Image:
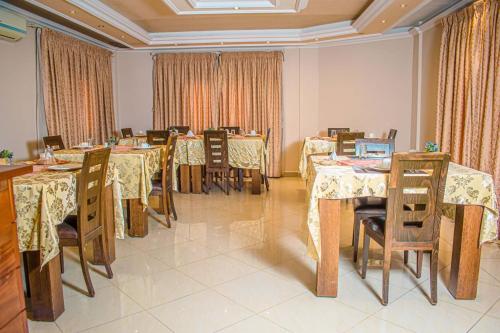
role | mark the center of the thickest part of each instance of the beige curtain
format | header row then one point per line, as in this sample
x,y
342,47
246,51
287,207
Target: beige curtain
x,y
203,90
77,88
185,90
468,120
251,97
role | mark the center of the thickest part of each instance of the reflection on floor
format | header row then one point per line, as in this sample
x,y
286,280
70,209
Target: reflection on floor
x,y
238,263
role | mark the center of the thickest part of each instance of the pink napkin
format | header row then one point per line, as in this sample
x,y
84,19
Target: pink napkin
x,y
361,163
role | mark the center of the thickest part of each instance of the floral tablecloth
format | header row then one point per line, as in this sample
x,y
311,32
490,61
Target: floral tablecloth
x,y
43,199
130,141
314,145
135,168
327,180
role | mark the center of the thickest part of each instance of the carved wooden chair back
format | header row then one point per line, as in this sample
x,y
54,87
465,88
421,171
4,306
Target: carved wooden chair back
x,y
157,137
375,146
180,129
392,133
346,142
336,130
54,141
127,132
216,151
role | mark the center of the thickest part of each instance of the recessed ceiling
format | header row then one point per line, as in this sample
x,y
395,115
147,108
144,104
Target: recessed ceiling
x,y
207,23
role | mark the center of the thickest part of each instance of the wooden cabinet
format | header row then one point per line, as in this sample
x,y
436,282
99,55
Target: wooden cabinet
x,y
13,309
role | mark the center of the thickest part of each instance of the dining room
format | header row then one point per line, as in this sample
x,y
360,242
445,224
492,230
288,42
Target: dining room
x,y
249,165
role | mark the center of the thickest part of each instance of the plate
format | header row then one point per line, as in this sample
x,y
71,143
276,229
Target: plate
x,y
65,167
143,148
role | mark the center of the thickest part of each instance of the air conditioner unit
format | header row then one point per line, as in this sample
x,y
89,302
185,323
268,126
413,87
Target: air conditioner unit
x,y
12,27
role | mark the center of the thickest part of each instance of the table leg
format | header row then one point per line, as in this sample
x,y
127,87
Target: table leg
x,y
185,178
327,269
256,181
46,302
138,218
466,254
94,252
196,178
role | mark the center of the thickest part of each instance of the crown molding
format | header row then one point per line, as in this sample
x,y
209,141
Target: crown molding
x,y
370,13
242,8
432,22
36,20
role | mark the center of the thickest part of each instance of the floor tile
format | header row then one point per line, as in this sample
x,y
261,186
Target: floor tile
x,y
487,324
375,325
259,291
254,324
495,310
308,313
135,266
43,327
413,311
141,322
182,254
203,312
155,239
216,270
82,312
160,288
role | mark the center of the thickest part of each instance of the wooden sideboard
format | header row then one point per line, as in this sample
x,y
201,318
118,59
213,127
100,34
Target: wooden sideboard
x,y
13,309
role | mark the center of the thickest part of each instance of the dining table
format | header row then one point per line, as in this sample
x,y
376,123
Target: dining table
x,y
246,152
43,199
315,145
136,168
469,200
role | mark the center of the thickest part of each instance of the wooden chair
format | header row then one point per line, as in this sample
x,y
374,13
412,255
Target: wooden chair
x,y
127,133
54,141
163,187
157,137
336,130
87,225
346,142
392,134
375,146
417,180
265,180
236,129
216,159
180,129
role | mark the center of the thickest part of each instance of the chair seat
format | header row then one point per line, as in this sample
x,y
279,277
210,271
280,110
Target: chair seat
x,y
68,229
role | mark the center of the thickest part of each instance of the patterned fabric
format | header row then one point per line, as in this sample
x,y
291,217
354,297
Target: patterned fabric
x,y
43,199
135,168
130,141
314,145
327,180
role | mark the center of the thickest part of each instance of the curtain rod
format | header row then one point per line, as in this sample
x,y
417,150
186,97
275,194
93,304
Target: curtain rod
x,y
154,53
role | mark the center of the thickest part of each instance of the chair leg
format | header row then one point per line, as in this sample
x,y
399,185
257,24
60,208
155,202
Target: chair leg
x,y
434,276
240,179
104,246
172,205
85,270
366,249
355,236
420,257
226,175
61,258
385,282
405,257
266,181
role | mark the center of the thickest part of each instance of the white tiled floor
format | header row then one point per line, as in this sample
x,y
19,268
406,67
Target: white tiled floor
x,y
238,263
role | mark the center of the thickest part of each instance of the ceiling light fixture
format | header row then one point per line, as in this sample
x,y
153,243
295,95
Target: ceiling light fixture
x,y
383,21
72,12
236,8
268,42
403,5
100,26
123,36
316,39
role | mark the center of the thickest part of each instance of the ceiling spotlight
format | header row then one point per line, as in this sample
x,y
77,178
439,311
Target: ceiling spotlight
x,y
100,26
123,36
72,12
403,5
236,8
383,21
268,42
221,43
316,39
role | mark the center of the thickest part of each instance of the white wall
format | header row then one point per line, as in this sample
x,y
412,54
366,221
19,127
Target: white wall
x,y
18,125
367,87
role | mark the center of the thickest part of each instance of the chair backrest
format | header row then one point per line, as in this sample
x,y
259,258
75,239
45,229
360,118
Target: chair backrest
x,y
180,129
346,142
236,129
127,133
91,186
216,151
417,181
54,141
168,162
375,146
157,137
392,133
335,130
268,135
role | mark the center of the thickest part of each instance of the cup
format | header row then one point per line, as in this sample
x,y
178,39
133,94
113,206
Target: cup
x,y
253,132
144,145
